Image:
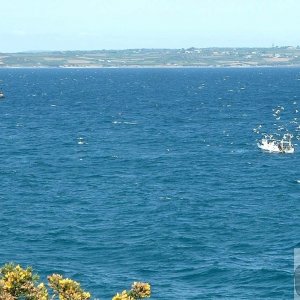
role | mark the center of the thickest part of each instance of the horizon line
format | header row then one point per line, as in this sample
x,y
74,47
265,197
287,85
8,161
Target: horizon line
x,y
153,48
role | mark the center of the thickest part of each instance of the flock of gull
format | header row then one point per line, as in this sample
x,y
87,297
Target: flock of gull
x,y
281,126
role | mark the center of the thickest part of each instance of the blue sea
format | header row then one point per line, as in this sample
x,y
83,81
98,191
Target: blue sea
x,y
110,176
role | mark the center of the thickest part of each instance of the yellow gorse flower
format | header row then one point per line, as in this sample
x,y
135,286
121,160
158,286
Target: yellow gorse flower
x,y
138,290
141,290
67,289
123,296
17,283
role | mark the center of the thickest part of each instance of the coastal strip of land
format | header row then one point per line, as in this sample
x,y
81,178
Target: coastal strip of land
x,y
190,57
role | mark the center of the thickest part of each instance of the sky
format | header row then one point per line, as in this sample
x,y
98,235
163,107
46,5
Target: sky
x,y
36,25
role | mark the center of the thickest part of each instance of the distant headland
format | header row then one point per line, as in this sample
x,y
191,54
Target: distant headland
x,y
189,57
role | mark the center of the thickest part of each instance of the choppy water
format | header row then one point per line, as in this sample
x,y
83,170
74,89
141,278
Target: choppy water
x,y
116,175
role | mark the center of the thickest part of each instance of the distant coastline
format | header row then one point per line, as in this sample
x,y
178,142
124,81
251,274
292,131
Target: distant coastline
x,y
152,67
156,58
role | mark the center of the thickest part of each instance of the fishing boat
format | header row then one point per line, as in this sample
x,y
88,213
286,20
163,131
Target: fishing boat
x,y
277,146
1,95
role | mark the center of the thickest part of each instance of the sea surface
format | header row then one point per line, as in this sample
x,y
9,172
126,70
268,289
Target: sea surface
x,y
110,176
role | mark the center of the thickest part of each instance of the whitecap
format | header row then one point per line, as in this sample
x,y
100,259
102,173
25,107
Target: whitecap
x,y
130,123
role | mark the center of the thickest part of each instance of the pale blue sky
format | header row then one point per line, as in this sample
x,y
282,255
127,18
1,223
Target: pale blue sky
x,y
120,24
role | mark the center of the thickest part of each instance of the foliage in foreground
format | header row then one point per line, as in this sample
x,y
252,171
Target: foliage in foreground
x,y
17,283
138,290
